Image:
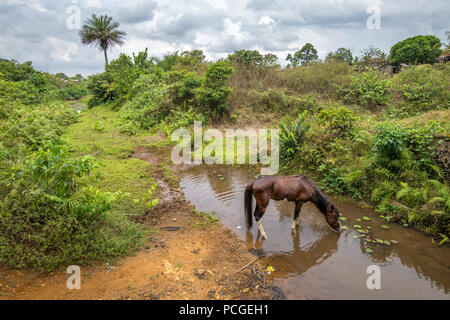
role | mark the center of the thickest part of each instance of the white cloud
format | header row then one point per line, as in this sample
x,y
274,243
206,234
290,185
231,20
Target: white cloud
x,y
265,20
36,29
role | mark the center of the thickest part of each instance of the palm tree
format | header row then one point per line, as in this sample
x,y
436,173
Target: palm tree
x,y
102,32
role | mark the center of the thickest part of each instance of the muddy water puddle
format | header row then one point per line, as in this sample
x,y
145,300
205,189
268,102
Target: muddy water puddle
x,y
316,263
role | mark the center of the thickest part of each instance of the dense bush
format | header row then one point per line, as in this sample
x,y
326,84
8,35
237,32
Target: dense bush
x,y
368,90
423,88
48,215
282,101
318,77
291,136
213,93
72,92
340,120
48,218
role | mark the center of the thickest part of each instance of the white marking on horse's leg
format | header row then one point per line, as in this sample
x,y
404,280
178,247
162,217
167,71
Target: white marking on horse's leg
x,y
261,229
294,224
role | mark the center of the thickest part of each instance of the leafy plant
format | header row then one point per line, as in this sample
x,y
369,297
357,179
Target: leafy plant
x,y
291,136
340,120
149,199
214,91
369,90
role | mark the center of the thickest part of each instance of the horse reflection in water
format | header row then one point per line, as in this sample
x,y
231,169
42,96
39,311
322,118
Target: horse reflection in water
x,y
298,260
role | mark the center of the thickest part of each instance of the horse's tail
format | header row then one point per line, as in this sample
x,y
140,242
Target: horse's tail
x,y
248,205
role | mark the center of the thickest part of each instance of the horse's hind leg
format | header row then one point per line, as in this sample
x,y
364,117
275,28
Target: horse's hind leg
x,y
261,205
298,207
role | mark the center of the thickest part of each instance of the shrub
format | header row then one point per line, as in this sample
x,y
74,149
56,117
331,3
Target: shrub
x,y
369,90
48,218
280,101
291,136
318,77
72,92
340,120
423,88
213,93
148,106
389,141
340,55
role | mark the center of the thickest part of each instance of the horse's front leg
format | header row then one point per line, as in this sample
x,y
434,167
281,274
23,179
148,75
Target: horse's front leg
x,y
298,207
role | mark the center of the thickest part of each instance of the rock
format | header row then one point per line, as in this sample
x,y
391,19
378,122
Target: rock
x,y
245,290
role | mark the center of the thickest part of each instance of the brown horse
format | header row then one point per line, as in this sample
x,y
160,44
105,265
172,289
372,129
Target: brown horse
x,y
298,189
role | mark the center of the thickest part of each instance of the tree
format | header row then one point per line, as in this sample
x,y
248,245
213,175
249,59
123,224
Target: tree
x,y
372,53
102,32
245,58
304,56
62,75
416,50
340,55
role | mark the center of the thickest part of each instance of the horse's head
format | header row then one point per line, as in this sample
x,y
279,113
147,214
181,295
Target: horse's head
x,y
332,217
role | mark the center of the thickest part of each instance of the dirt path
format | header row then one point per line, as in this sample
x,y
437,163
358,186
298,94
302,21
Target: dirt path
x,y
198,261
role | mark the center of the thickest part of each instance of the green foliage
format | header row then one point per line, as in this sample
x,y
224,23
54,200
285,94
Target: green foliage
x,y
147,108
423,88
318,77
340,120
245,59
283,102
414,144
340,55
72,92
99,126
183,88
192,60
181,119
389,141
149,199
169,61
416,50
333,178
291,136
48,217
213,93
15,72
306,55
116,83
33,127
371,57
369,90
430,205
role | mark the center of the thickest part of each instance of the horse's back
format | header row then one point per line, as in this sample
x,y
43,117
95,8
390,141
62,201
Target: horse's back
x,y
291,188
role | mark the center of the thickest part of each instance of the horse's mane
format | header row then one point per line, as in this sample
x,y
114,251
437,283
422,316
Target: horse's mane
x,y
319,199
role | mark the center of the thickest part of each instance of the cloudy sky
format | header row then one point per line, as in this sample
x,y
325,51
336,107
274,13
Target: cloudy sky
x,y
46,31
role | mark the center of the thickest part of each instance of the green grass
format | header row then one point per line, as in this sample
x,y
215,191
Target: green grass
x,y
204,220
